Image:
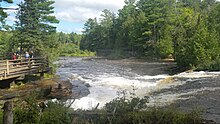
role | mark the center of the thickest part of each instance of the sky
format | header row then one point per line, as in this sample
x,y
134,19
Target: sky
x,y
73,13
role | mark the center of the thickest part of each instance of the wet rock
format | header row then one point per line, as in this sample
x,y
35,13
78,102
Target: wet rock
x,y
80,88
208,122
78,82
206,99
87,85
63,90
80,91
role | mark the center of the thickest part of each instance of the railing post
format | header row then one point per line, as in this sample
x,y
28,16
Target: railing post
x,y
7,66
29,64
5,74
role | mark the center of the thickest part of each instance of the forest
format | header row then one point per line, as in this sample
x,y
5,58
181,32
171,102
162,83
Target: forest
x,y
185,30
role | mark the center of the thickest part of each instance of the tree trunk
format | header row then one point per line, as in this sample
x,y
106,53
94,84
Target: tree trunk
x,y
7,113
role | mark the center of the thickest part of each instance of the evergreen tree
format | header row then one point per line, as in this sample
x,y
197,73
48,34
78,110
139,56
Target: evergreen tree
x,y
124,26
91,35
156,17
62,38
72,37
33,25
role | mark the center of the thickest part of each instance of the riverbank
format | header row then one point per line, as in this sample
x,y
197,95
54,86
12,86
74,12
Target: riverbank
x,y
47,88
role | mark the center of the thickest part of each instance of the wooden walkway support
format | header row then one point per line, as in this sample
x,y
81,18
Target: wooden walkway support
x,y
20,67
7,113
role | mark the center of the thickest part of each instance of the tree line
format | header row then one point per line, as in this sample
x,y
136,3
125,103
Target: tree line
x,y
186,30
34,31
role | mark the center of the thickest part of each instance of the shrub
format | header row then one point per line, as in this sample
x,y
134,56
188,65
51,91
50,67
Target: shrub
x,y
124,111
55,113
29,112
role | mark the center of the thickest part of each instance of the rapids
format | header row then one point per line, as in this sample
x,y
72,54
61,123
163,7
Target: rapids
x,y
101,80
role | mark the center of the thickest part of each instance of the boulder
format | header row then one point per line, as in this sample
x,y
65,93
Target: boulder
x,y
63,90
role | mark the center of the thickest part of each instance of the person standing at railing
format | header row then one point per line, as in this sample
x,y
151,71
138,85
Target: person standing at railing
x,y
31,54
27,55
14,57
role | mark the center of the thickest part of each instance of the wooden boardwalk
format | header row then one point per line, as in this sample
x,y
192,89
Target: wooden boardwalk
x,y
20,67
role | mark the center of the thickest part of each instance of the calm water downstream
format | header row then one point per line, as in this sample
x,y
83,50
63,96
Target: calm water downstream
x,y
101,80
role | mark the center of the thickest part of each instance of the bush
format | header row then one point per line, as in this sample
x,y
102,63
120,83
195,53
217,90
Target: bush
x,y
29,112
124,111
56,113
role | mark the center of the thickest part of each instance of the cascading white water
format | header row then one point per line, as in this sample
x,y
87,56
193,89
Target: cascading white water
x,y
107,78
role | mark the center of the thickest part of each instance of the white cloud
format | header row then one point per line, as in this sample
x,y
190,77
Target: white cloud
x,y
11,18
81,10
11,13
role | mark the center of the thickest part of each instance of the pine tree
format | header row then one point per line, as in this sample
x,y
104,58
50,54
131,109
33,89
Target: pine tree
x,y
33,25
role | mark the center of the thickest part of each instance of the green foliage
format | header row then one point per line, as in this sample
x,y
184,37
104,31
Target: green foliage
x,y
71,38
200,48
165,45
28,112
4,44
122,105
69,49
73,50
162,116
56,113
69,45
1,116
134,111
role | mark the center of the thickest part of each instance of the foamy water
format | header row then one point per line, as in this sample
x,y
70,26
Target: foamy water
x,y
107,80
106,88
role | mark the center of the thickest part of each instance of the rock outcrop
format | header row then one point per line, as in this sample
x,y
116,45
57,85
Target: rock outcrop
x,y
63,90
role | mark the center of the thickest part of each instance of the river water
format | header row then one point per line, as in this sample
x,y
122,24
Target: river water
x,y
101,80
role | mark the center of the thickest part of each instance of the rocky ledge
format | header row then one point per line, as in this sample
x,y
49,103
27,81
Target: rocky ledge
x,y
48,88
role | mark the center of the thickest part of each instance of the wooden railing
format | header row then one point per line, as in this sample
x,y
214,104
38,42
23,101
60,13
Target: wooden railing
x,y
19,67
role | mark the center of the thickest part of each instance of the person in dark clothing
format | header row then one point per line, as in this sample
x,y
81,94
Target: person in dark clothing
x,y
31,54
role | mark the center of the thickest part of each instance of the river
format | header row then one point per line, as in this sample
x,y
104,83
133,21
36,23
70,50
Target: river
x,y
101,80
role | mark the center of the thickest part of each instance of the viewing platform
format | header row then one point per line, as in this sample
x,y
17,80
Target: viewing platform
x,y
10,69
